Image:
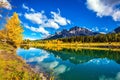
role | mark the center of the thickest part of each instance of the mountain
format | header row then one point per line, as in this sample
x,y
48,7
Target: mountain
x,y
117,30
74,31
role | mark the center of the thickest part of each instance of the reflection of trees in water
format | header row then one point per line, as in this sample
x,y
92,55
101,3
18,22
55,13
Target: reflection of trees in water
x,y
118,61
26,47
73,58
81,56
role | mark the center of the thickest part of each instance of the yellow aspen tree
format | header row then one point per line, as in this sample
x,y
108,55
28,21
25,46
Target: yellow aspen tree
x,y
14,30
2,34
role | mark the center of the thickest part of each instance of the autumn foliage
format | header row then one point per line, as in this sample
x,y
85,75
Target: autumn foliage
x,y
13,31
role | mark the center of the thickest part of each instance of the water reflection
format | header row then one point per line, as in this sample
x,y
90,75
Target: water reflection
x,y
68,64
106,78
82,56
46,60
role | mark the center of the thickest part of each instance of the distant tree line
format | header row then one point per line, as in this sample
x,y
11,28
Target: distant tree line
x,y
112,37
101,38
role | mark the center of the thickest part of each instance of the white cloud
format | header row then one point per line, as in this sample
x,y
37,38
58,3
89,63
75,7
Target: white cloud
x,y
105,8
37,18
51,24
0,16
95,29
5,4
20,14
27,8
40,29
116,15
59,19
105,28
40,18
32,10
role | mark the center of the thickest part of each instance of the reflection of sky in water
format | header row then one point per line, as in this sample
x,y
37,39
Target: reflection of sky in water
x,y
117,77
43,59
94,69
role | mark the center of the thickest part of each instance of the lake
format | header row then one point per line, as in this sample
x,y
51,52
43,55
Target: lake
x,y
68,64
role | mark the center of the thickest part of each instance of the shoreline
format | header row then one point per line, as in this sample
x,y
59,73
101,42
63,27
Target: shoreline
x,y
114,46
13,67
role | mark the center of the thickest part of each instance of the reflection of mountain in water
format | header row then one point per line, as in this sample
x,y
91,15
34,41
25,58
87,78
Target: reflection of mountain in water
x,y
82,56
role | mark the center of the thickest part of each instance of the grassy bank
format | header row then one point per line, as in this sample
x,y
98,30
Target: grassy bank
x,y
12,67
115,46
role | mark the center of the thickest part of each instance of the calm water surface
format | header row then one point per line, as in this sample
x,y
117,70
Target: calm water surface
x,y
74,65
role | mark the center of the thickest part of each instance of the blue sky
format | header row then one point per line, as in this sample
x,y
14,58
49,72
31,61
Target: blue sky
x,y
41,18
